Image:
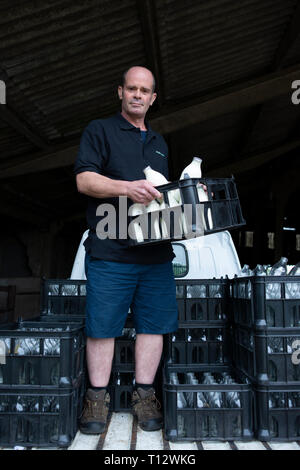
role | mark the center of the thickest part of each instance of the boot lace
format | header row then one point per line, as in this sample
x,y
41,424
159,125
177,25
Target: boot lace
x,y
147,405
95,409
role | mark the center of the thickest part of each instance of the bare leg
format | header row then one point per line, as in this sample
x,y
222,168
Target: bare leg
x,y
148,350
99,352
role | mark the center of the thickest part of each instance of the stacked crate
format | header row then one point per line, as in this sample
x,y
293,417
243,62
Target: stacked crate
x,y
122,375
266,339
204,397
66,299
41,382
43,375
201,337
63,298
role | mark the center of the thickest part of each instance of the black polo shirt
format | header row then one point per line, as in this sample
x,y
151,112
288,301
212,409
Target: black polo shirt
x,y
114,148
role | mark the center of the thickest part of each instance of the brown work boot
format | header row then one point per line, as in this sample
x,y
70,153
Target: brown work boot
x,y
146,407
95,411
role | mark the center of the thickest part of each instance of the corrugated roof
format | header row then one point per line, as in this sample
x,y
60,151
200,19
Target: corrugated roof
x,y
210,44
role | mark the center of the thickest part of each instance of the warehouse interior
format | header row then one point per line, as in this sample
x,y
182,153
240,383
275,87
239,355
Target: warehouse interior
x,y
226,76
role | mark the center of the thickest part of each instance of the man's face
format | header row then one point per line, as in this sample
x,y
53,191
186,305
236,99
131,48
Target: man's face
x,y
137,93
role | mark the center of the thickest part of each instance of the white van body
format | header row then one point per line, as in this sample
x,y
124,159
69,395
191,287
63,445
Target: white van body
x,y
205,257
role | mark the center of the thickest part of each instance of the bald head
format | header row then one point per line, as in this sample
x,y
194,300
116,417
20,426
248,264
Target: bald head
x,y
138,71
137,94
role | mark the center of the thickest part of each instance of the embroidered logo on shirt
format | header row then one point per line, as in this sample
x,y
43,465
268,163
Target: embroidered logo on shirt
x,y
162,154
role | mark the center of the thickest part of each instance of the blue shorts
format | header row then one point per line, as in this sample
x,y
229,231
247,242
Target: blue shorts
x,y
112,288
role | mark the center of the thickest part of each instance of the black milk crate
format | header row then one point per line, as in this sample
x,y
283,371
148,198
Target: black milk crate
x,y
124,349
222,211
40,416
202,301
265,301
67,298
277,413
207,345
222,411
42,353
270,356
61,318
63,297
121,388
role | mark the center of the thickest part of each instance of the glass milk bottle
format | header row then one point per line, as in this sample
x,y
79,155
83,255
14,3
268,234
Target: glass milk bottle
x,y
273,290
137,209
157,179
280,268
193,170
292,290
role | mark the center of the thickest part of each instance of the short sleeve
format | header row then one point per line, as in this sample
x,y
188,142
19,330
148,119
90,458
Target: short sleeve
x,y
91,155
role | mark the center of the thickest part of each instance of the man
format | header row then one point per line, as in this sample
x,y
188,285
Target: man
x,y
113,153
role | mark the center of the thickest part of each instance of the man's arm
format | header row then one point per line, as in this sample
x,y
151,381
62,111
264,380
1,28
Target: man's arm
x,y
99,186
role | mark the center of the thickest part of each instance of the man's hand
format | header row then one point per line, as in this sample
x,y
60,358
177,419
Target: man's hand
x,y
142,191
204,187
